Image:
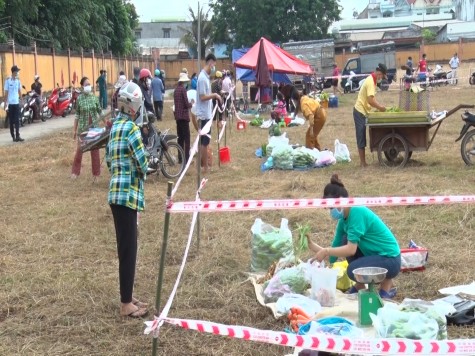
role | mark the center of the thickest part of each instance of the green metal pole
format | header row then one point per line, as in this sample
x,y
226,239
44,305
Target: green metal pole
x,y
161,270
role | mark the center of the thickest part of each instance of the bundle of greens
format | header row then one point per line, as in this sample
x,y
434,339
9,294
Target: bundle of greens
x,y
289,280
283,157
257,121
301,242
302,158
393,109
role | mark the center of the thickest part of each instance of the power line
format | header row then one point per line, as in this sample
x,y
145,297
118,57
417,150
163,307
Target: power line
x,y
31,37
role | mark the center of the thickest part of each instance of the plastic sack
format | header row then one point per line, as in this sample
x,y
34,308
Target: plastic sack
x,y
283,157
410,322
343,282
275,141
339,326
288,301
303,157
324,286
342,154
286,281
269,244
325,158
267,165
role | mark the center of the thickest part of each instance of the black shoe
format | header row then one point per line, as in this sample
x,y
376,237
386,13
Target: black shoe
x,y
14,139
19,139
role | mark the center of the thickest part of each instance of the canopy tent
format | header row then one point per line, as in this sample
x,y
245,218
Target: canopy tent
x,y
248,75
277,60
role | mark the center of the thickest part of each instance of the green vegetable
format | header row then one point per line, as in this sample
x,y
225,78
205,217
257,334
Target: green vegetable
x,y
301,243
393,109
289,280
324,97
268,247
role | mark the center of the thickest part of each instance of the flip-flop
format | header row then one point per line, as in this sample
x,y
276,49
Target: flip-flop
x,y
352,290
138,303
137,314
388,295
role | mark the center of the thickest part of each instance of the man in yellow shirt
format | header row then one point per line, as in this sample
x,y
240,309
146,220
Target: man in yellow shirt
x,y
366,100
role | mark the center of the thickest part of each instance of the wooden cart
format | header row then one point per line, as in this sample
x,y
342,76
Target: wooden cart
x,y
394,140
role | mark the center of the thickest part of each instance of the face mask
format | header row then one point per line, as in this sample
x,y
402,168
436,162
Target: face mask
x,y
336,214
213,70
149,82
87,89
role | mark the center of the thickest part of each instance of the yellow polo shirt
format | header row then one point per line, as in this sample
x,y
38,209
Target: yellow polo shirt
x,y
367,89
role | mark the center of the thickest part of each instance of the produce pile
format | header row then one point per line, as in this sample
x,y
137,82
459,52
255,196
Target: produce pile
x,y
302,158
393,109
257,121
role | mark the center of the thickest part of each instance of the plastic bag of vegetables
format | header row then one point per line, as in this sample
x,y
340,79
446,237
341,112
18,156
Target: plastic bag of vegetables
x,y
275,141
283,157
303,158
286,281
410,322
270,244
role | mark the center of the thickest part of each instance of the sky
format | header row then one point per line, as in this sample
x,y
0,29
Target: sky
x,y
178,9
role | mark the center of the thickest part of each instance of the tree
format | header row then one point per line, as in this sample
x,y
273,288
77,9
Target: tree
x,y
190,38
428,36
242,22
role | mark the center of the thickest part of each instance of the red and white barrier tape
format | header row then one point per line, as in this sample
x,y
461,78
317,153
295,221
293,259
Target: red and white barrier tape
x,y
325,342
286,204
221,133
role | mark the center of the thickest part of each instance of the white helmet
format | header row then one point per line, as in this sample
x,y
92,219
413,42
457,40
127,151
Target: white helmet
x,y
129,99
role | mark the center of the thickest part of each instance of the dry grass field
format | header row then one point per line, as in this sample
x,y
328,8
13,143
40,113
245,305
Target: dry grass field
x,y
58,265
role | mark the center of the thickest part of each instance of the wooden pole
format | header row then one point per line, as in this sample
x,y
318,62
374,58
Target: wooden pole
x,y
54,69
69,66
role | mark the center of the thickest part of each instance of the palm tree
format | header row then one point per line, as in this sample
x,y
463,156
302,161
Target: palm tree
x,y
190,38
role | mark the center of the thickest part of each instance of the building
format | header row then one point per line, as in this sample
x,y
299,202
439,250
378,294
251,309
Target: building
x,y
465,10
452,32
163,37
401,8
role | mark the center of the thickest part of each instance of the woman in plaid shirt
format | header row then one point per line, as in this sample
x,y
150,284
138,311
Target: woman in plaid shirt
x,y
87,115
182,114
127,163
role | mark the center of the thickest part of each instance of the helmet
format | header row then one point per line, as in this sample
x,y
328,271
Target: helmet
x,y
145,73
37,77
130,99
157,72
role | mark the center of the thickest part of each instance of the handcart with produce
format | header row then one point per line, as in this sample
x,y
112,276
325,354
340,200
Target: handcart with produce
x,y
396,134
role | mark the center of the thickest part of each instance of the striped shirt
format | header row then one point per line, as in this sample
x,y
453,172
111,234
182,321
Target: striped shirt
x,y
127,163
87,107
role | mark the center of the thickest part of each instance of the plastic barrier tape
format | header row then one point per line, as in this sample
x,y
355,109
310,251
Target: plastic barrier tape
x,y
329,343
286,204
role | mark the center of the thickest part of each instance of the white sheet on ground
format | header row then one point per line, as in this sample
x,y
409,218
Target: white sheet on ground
x,y
465,289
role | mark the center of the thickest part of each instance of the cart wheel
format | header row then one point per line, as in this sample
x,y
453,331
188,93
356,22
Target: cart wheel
x,y
467,148
395,150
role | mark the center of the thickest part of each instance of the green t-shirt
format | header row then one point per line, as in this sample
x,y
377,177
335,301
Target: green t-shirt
x,y
365,229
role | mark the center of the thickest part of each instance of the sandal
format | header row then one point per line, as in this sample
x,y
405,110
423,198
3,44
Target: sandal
x,y
388,295
137,314
352,290
138,303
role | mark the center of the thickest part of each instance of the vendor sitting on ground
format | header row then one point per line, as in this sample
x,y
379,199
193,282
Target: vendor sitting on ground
x,y
363,238
280,111
316,116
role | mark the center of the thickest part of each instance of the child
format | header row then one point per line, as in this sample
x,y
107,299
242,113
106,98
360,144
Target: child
x,y
280,111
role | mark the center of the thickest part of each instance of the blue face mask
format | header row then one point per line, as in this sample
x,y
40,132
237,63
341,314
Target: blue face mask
x,y
336,214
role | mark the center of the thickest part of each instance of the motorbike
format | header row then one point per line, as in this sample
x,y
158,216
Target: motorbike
x,y
60,101
165,154
75,94
24,109
472,79
440,76
467,147
353,83
34,105
45,111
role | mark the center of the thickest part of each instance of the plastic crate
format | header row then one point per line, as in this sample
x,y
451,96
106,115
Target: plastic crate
x,y
410,101
398,117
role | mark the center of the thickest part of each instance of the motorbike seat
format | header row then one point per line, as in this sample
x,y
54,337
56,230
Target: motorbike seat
x,y
468,116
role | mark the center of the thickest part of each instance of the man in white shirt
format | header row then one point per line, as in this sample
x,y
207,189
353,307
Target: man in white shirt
x,y
204,105
12,103
454,64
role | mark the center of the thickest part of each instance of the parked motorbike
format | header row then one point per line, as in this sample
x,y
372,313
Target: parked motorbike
x,y
75,94
467,147
440,76
45,111
353,83
166,155
60,101
24,108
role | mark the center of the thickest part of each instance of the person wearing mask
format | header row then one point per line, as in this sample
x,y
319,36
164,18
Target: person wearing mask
x,y
127,163
12,89
135,79
316,116
204,105
454,65
365,102
157,92
121,81
182,114
409,77
87,116
335,75
102,82
36,86
145,82
216,87
194,80
422,69
362,238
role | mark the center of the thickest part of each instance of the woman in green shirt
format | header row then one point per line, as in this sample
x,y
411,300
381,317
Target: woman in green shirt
x,y
363,238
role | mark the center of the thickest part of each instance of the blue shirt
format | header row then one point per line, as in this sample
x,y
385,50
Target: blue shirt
x,y
193,83
204,109
157,89
13,86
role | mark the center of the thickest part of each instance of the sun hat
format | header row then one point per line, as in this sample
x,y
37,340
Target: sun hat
x,y
15,68
219,74
183,78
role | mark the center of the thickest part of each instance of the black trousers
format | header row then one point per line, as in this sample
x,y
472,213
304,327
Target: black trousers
x,y
14,119
158,107
183,133
125,221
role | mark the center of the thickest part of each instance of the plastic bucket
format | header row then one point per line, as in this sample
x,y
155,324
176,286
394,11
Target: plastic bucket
x,y
324,286
241,125
224,155
333,102
287,121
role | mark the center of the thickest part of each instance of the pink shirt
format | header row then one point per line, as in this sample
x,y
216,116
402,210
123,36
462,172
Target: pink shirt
x,y
281,109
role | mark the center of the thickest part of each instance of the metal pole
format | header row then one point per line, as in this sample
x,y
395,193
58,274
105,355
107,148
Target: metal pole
x,y
199,39
198,179
161,269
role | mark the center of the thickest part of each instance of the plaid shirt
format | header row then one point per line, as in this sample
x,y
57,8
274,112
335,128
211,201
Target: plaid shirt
x,y
87,106
127,163
181,104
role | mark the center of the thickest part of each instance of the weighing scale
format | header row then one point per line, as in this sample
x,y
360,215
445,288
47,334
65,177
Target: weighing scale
x,y
369,300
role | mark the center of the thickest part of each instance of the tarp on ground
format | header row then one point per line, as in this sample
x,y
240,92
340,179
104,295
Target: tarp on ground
x,y
278,60
248,75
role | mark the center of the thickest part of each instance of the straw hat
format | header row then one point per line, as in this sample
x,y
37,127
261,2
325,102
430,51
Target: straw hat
x,y
183,78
